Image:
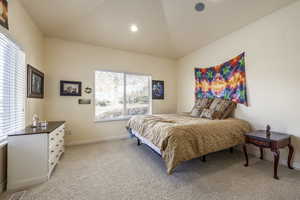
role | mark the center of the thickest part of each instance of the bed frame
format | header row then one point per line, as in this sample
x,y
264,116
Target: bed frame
x,y
151,146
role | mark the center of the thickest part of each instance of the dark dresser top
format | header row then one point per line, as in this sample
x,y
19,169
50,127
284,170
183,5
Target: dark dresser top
x,y
52,125
261,135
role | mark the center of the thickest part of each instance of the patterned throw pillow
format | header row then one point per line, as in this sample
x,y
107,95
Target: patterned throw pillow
x,y
203,102
224,107
210,114
200,104
227,113
196,112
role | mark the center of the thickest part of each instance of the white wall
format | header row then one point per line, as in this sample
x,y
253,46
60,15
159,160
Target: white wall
x,y
272,46
27,34
23,30
77,62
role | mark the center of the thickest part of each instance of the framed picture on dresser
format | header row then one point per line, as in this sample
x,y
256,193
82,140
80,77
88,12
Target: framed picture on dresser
x,y
35,83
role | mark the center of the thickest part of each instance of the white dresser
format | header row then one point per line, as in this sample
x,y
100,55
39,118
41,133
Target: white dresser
x,y
33,153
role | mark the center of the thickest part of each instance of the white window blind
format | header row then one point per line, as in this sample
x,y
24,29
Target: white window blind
x,y
12,87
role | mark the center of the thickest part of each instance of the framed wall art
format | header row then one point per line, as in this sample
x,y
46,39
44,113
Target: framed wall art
x,y
35,83
4,13
70,88
158,89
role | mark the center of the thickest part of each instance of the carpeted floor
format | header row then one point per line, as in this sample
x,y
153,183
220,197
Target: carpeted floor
x,y
119,170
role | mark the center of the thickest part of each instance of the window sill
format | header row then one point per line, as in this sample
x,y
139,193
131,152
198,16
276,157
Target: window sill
x,y
125,118
112,120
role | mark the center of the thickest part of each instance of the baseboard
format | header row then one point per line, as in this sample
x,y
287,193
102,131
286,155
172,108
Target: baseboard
x,y
19,185
93,141
296,165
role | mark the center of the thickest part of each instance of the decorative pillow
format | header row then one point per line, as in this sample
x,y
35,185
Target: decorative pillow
x,y
202,103
229,110
210,114
221,106
196,111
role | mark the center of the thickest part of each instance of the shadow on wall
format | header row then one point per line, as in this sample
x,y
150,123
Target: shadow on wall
x,y
3,167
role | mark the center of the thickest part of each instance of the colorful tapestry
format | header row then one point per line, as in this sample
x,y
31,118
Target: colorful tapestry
x,y
226,81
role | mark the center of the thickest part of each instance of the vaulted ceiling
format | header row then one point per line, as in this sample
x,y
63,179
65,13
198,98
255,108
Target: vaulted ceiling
x,y
168,28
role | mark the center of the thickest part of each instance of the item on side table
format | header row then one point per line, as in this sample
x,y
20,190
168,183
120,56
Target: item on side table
x,y
274,142
268,131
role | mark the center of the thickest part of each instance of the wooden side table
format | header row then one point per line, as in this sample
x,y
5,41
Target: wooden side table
x,y
274,142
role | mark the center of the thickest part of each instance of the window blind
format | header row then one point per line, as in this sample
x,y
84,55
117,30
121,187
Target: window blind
x,y
12,87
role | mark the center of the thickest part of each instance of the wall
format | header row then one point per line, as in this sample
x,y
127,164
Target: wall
x,y
77,62
272,47
27,34
29,37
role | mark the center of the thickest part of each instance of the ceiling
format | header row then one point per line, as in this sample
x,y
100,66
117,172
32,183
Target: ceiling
x,y
167,28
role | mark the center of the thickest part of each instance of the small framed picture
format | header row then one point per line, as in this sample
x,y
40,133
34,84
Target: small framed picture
x,y
4,13
158,90
70,88
35,83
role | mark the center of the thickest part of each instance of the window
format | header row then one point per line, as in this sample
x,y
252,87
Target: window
x,y
112,89
12,87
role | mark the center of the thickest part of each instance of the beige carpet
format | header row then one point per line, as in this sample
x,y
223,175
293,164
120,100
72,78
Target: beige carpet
x,y
119,170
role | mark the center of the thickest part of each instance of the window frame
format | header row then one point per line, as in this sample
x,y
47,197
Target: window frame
x,y
126,117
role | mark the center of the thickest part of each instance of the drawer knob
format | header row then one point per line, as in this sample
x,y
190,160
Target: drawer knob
x,y
56,133
52,138
57,145
52,163
52,151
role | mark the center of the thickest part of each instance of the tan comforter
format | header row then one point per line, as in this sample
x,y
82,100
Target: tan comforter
x,y
181,138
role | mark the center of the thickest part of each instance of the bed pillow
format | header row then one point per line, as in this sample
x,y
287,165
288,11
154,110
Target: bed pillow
x,y
227,113
223,107
196,112
210,114
199,106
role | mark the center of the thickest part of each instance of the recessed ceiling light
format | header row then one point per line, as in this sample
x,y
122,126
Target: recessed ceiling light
x,y
200,7
134,28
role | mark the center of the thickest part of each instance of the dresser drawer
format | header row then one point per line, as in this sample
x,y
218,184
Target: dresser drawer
x,y
52,139
56,136
258,142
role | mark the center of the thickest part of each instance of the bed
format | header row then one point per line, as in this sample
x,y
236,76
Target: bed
x,y
178,138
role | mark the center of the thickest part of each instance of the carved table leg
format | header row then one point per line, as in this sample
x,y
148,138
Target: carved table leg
x,y
261,153
246,155
291,151
276,154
